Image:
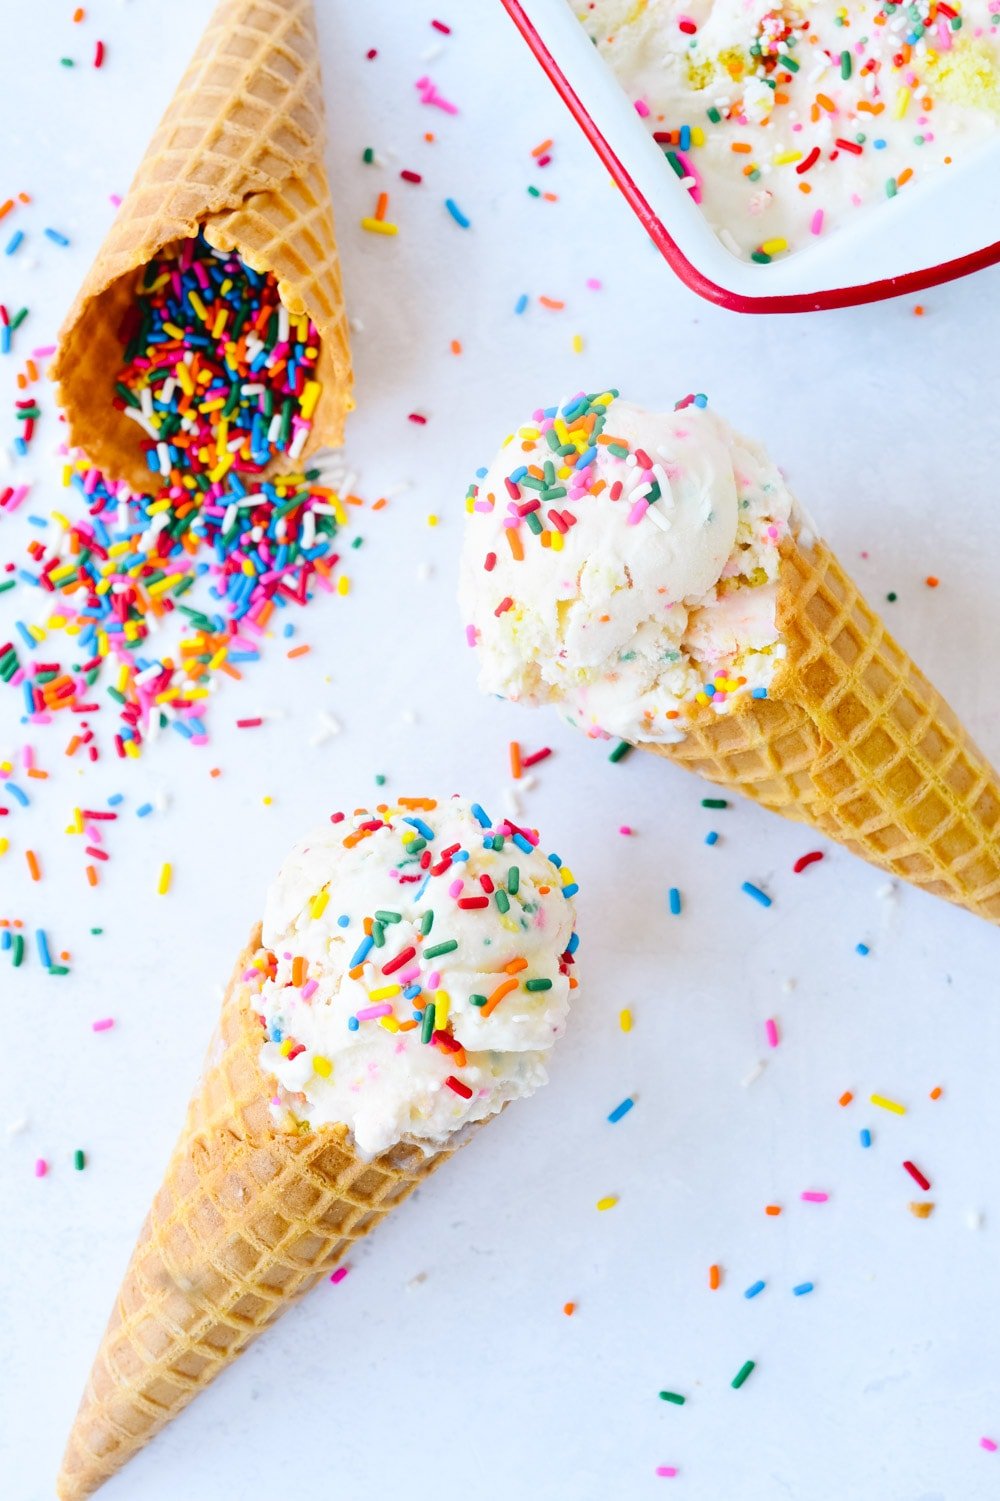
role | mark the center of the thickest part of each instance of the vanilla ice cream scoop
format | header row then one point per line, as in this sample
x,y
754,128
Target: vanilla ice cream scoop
x,y
622,564
421,971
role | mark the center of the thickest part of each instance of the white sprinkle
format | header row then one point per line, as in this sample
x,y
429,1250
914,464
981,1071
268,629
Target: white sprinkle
x,y
974,1219
754,1074
17,1127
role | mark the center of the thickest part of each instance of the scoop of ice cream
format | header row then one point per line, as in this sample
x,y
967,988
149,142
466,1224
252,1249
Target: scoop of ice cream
x,y
622,564
421,971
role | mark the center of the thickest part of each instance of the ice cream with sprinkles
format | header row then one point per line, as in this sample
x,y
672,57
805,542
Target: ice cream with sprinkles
x,y
623,565
417,972
781,120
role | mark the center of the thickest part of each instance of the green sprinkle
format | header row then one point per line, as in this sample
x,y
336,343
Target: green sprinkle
x,y
477,1000
18,319
513,880
129,397
713,115
17,945
379,779
674,1397
97,932
7,584
427,1022
534,523
789,63
535,192
436,950
383,916
66,62
714,802
845,64
761,257
892,596
675,163
890,187
368,156
620,751
538,984
378,935
742,1374
58,969
502,899
79,1160
426,923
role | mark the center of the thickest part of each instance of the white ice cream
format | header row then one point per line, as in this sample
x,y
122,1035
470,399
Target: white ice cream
x,y
783,119
635,575
338,1060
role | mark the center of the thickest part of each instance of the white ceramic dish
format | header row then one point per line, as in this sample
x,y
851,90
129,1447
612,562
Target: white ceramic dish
x,y
941,229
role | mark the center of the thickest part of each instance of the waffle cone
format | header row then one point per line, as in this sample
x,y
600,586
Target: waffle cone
x,y
247,1219
238,153
854,741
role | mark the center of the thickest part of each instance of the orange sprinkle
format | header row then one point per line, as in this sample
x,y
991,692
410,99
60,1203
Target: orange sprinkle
x,y
514,543
216,771
551,302
456,347
298,971
743,147
381,206
515,760
515,966
421,804
5,208
825,102
33,865
541,148
379,505
869,108
936,1092
504,988
40,775
845,1098
91,875
79,13
772,1209
904,176
931,581
569,1309
299,651
714,1277
918,311
428,135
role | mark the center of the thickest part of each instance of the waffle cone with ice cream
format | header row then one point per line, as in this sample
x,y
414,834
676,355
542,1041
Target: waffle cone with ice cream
x,y
239,156
320,1109
678,599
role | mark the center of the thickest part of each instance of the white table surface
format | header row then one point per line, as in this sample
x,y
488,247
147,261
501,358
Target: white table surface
x,y
444,1367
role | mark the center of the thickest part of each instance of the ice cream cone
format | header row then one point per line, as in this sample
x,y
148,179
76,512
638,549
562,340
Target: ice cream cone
x,y
239,154
247,1219
853,740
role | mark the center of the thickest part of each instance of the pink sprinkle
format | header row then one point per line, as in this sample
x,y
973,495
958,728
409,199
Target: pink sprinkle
x,y
41,1167
988,1444
339,1274
371,1013
470,635
816,227
812,1196
455,889
593,284
107,1022
309,988
625,829
638,511
771,1032
44,352
641,108
667,1471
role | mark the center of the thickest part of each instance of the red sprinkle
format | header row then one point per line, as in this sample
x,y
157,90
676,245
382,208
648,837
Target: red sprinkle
x,y
411,176
917,1175
806,860
504,605
808,161
848,146
471,903
440,26
98,54
248,724
459,1087
536,756
403,957
416,417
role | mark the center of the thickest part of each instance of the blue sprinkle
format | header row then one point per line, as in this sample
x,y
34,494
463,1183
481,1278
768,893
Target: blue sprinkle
x,y
803,1287
288,630
684,143
524,845
343,921
879,145
6,940
26,635
14,241
480,816
573,944
411,992
115,799
555,860
20,447
144,811
482,473
56,237
712,838
43,948
571,889
521,303
38,521
587,457
675,902
362,951
620,1110
16,793
460,858
701,400
758,693
866,1137
423,829
454,211
756,893
352,1024
862,949
754,1289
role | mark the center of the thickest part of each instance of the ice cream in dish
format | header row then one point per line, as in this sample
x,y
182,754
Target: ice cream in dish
x,y
782,120
412,976
652,576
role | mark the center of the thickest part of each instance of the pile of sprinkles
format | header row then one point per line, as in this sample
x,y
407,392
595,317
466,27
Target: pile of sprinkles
x,y
802,116
217,373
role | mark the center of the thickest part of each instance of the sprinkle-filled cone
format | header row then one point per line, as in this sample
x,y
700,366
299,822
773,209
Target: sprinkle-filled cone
x,y
238,153
247,1219
853,740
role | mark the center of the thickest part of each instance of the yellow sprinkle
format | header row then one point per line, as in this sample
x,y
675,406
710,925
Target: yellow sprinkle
x,y
322,1066
379,227
222,467
132,750
578,343
219,323
164,883
697,136
389,1023
608,1203
318,904
67,474
784,157
4,846
557,541
902,103
175,333
884,1104
310,395
286,1047
774,247
432,520
184,381
384,992
442,1005
625,1020
198,306
267,801
343,585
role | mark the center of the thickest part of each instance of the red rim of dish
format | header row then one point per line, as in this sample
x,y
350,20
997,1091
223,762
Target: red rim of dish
x,y
799,302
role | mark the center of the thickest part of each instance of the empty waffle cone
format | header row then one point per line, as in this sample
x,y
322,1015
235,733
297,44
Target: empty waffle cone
x,y
854,741
247,1219
239,154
